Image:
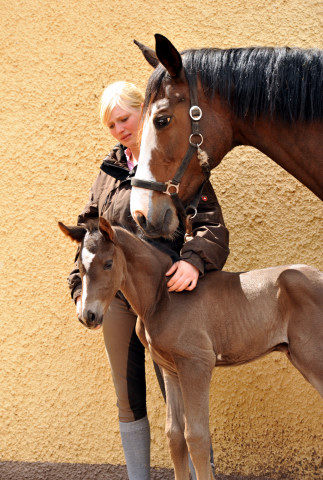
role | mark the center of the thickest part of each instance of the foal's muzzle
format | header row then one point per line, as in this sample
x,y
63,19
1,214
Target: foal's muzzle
x,y
91,320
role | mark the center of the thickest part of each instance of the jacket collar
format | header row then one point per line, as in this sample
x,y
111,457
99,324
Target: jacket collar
x,y
115,163
116,158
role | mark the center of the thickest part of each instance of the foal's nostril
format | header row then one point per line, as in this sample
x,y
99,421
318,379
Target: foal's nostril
x,y
141,219
90,317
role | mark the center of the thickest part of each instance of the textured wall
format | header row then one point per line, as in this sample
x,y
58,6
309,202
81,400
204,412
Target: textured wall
x,y
57,403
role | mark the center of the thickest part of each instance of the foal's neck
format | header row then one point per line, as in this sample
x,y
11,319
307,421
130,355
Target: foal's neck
x,y
145,282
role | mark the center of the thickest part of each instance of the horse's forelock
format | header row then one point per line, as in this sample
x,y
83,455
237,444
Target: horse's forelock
x,y
153,87
152,90
276,81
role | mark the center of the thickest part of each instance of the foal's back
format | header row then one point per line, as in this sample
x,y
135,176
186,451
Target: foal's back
x,y
238,317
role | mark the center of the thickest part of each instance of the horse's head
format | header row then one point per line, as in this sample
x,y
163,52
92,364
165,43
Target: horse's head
x,y
100,268
166,137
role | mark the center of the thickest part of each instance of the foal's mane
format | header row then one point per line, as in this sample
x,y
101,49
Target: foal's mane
x,y
279,82
156,250
147,242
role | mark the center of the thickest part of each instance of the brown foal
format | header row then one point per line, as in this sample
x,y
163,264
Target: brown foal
x,y
229,319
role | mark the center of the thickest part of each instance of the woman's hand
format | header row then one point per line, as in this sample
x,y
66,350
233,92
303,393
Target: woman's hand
x,y
185,276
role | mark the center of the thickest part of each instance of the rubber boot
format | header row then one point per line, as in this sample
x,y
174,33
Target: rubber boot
x,y
135,437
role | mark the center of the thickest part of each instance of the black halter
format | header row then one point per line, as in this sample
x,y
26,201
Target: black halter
x,y
171,187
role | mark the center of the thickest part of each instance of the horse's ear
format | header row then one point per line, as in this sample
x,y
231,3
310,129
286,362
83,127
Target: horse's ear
x,y
168,55
106,229
148,53
75,233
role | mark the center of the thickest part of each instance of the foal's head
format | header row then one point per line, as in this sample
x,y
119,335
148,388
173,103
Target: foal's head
x,y
99,262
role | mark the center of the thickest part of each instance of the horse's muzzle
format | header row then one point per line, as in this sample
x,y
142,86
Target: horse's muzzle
x,y
163,224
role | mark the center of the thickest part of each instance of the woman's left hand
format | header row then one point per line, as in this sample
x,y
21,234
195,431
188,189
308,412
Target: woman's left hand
x,y
185,276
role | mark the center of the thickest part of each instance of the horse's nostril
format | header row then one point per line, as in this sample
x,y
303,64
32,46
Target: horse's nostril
x,y
141,219
168,217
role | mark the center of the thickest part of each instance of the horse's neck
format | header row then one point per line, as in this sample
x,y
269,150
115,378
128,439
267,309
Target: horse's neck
x,y
145,273
297,148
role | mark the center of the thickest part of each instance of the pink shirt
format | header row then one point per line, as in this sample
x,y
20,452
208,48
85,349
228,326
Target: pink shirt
x,y
131,162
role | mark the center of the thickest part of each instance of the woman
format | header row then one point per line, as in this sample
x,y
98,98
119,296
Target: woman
x,y
206,249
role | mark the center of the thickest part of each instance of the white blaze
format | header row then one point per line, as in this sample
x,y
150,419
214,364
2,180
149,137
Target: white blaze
x,y
141,197
87,258
93,304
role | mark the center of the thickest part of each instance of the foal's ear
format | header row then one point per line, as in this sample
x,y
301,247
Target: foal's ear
x,y
106,229
148,53
168,55
75,233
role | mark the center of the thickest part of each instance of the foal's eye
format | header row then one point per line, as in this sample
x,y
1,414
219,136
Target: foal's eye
x,y
107,265
161,122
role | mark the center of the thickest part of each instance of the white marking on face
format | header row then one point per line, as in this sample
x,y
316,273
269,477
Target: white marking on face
x,y
84,290
94,305
141,197
87,258
87,303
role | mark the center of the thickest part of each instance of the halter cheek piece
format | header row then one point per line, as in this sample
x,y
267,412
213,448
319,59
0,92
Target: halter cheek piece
x,y
171,187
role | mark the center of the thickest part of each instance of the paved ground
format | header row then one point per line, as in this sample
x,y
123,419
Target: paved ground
x,y
68,471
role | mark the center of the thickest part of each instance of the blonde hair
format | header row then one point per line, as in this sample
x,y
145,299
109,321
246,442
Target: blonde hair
x,y
125,94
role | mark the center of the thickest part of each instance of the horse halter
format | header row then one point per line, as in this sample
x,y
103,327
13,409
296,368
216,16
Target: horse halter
x,y
171,187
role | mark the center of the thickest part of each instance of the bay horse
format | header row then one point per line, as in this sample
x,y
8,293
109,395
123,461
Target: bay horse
x,y
229,319
203,103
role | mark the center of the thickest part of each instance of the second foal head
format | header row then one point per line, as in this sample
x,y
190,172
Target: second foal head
x,y
100,270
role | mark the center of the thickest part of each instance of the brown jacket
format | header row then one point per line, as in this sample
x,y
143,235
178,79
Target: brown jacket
x,y
207,248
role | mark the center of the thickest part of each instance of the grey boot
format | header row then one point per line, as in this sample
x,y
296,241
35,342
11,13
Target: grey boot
x,y
191,467
135,437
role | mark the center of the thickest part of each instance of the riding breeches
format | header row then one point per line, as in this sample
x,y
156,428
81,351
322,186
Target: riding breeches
x,y
126,356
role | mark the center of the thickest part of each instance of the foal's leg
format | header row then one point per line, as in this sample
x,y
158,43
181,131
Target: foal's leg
x,y
175,426
194,378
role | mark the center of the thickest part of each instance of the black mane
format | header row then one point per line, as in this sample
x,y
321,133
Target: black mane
x,y
283,83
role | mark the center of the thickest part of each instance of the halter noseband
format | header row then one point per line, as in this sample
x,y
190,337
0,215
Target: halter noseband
x,y
171,187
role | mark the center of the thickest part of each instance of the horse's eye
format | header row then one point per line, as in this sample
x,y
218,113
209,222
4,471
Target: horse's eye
x,y
161,122
107,265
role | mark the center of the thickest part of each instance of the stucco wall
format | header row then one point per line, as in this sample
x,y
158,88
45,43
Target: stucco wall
x,y
57,403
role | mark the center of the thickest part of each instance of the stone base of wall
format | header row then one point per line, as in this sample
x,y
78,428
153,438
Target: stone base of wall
x,y
81,471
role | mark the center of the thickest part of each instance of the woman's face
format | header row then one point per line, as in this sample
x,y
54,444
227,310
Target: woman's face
x,y
124,125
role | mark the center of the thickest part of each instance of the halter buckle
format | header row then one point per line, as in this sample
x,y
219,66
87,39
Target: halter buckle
x,y
169,184
195,113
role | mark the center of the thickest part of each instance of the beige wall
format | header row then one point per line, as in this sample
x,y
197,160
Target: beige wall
x,y
57,402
